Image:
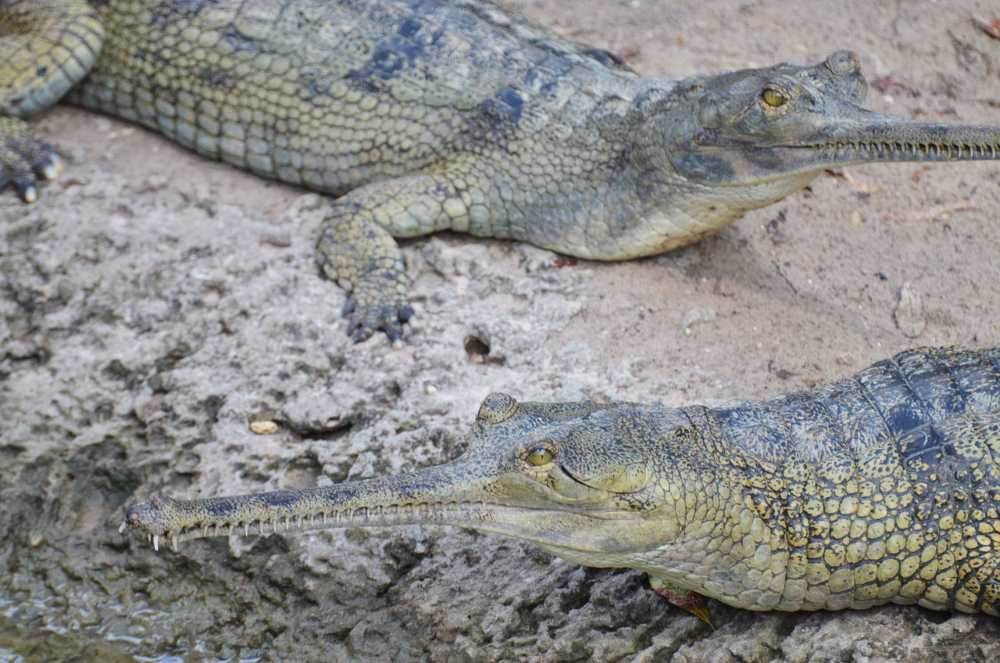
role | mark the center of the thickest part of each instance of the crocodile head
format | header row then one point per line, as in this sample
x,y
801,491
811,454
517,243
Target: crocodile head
x,y
579,479
770,131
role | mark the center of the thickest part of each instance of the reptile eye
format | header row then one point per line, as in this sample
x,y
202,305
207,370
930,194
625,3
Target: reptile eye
x,y
773,98
539,456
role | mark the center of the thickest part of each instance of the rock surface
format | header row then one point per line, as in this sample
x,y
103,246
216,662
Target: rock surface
x,y
156,309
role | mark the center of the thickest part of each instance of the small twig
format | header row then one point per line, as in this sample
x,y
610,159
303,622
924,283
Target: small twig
x,y
858,185
943,212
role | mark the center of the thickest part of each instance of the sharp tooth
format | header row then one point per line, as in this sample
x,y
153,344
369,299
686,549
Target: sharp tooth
x,y
173,542
51,170
246,528
121,528
156,543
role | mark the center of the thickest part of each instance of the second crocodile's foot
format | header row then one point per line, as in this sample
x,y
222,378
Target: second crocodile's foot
x,y
679,597
369,309
363,258
24,159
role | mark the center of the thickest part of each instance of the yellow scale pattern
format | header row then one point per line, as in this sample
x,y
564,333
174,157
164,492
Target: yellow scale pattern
x,y
884,531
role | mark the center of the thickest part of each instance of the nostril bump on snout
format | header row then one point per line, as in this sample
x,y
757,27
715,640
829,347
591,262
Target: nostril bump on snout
x,y
843,63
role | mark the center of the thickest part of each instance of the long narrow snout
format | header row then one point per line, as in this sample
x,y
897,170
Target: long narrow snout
x,y
462,493
876,137
447,494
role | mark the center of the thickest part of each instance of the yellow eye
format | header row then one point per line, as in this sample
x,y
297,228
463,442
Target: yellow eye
x,y
773,98
539,456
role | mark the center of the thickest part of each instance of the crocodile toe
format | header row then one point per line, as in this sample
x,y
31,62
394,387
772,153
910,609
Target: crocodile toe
x,y
25,161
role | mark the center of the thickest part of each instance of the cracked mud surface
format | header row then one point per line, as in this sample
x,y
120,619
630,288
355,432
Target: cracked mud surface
x,y
154,305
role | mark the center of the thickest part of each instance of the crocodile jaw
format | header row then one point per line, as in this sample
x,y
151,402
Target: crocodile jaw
x,y
458,494
887,139
842,143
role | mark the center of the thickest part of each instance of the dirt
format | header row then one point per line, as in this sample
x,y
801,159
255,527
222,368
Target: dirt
x,y
155,305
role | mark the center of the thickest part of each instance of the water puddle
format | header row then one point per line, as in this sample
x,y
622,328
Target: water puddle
x,y
36,630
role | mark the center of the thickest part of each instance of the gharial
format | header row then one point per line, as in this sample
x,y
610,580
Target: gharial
x,y
883,487
426,115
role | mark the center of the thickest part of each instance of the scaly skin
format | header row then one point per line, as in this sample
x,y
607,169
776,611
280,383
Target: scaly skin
x,y
425,115
883,487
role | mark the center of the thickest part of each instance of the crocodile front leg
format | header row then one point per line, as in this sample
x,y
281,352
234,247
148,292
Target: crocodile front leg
x,y
356,246
46,46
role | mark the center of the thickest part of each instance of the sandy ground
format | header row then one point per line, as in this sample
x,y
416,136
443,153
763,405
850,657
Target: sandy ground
x,y
154,304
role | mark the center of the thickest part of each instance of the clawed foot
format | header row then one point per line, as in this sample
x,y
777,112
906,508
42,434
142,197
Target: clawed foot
x,y
363,258
367,314
24,160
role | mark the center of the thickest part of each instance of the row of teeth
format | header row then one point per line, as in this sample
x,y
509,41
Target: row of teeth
x,y
296,523
216,529
924,149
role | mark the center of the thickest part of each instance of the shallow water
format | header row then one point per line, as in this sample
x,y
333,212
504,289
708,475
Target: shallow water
x,y
32,631
33,642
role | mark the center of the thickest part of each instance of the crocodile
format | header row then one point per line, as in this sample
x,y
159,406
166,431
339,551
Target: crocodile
x,y
427,115
881,487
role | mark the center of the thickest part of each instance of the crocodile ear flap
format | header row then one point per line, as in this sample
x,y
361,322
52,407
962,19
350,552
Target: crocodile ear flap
x,y
497,407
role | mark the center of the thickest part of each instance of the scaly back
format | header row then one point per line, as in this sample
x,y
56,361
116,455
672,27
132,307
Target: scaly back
x,y
849,418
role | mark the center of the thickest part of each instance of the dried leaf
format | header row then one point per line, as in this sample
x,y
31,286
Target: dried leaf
x,y
919,173
991,28
627,53
889,85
